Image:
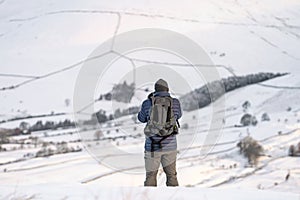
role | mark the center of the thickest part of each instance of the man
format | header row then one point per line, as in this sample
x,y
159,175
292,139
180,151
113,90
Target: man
x,y
160,149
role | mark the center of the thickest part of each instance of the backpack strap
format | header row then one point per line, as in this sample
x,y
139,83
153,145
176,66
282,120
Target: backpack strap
x,y
152,103
178,123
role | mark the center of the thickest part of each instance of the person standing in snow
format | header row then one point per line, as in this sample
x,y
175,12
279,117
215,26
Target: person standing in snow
x,y
161,112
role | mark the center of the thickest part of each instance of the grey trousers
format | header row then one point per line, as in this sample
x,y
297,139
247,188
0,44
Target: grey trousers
x,y
168,161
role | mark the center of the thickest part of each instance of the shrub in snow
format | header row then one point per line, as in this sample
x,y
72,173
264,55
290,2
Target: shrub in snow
x,y
294,150
222,54
139,135
259,187
265,117
254,121
1,149
289,109
3,138
67,102
98,134
185,126
134,118
189,185
28,155
58,148
45,152
246,105
251,149
291,150
248,120
62,147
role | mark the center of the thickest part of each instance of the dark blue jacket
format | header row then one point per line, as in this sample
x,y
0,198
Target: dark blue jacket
x,y
168,144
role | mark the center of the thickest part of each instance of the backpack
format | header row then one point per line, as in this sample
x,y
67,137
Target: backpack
x,y
162,121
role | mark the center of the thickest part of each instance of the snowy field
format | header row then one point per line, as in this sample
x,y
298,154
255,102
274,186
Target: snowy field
x,y
40,37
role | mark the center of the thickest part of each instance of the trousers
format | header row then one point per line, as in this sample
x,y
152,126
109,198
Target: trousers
x,y
152,163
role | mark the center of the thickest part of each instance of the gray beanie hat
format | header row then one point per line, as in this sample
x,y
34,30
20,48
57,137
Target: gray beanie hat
x,y
161,85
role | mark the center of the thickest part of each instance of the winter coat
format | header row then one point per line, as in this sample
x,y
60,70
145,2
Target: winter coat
x,y
168,144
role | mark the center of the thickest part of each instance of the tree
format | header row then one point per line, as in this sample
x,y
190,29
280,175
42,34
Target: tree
x,y
68,123
265,117
92,121
101,116
118,113
49,125
110,117
251,149
292,150
37,126
24,126
248,120
108,96
98,134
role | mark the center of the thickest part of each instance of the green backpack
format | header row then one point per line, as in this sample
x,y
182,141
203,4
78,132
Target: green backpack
x,y
162,121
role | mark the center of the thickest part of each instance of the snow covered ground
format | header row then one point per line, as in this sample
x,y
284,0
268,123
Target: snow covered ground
x,y
39,37
76,191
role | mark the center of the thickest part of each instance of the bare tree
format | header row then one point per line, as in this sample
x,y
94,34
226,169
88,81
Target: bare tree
x,y
251,149
98,134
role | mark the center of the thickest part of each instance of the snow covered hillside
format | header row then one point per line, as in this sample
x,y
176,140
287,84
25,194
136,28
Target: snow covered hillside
x,y
44,45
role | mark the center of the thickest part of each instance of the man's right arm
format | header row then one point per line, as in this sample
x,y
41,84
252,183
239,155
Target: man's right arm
x,y
143,114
